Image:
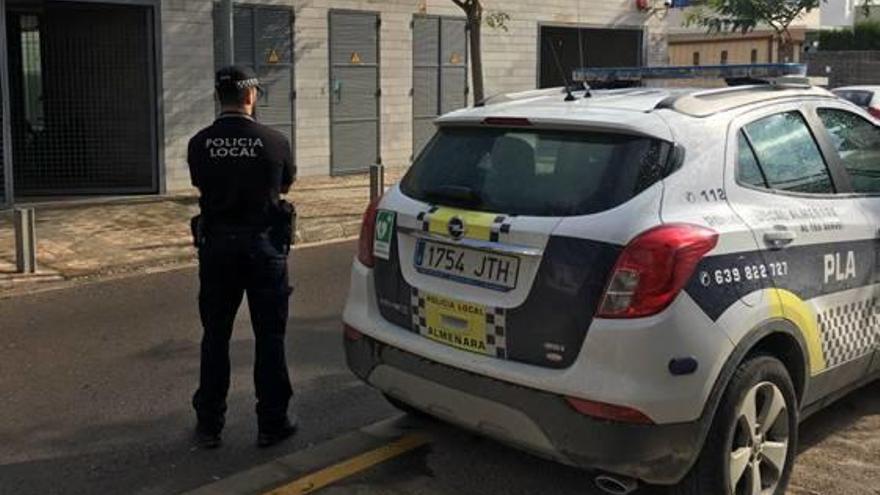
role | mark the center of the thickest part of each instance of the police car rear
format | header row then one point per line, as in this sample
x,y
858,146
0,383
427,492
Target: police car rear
x,y
479,276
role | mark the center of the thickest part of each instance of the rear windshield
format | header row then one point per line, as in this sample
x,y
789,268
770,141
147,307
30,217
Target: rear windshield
x,y
534,172
860,98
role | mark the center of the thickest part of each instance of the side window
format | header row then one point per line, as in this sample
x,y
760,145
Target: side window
x,y
788,155
858,143
747,169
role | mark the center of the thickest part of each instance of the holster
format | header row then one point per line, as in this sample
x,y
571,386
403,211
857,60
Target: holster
x,y
283,228
197,228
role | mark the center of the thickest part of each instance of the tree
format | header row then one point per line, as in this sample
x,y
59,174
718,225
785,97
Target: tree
x,y
745,15
474,12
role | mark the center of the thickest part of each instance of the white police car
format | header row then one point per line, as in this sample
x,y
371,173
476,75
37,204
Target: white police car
x,y
656,284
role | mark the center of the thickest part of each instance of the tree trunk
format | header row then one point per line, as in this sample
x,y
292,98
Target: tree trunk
x,y
475,29
786,46
473,9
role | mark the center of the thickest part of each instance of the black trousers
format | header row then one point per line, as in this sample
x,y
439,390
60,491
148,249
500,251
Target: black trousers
x,y
231,265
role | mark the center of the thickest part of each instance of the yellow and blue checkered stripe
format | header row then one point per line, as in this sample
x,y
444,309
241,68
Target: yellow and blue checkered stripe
x,y
480,226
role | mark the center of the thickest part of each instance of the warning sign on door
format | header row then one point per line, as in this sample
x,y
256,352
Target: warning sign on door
x,y
455,59
273,57
355,58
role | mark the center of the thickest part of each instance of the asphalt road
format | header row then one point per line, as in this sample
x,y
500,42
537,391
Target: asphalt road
x,y
96,380
95,384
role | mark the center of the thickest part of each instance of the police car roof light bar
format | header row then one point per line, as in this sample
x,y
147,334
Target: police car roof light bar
x,y
751,72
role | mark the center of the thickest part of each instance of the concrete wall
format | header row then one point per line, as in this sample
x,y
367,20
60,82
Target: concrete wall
x,y
187,80
845,68
510,64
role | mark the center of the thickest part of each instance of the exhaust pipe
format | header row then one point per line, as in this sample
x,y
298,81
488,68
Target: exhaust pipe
x,y
616,485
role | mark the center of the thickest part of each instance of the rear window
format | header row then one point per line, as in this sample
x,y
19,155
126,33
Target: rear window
x,y
860,98
534,172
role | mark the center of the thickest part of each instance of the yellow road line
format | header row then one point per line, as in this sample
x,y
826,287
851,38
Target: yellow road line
x,y
327,476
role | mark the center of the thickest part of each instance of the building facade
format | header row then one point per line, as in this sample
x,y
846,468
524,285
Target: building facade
x,y
103,95
692,45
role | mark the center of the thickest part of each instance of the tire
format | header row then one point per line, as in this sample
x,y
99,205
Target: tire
x,y
732,446
404,407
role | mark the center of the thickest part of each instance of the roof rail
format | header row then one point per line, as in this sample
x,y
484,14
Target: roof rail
x,y
736,74
704,103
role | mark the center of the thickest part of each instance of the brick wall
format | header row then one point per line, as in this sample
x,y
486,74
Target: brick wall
x,y
845,68
510,64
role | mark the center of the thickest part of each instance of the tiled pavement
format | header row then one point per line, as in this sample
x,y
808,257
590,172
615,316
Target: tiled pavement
x,y
78,239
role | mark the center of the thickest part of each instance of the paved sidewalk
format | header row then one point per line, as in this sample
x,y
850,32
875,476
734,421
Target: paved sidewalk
x,y
84,239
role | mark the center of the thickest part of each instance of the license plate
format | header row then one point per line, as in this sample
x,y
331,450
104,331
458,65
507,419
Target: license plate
x,y
456,323
467,265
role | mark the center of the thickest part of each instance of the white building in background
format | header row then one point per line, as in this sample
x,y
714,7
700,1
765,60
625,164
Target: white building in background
x,y
838,13
352,82
845,13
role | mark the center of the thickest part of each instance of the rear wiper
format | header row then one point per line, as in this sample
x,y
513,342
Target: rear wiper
x,y
461,195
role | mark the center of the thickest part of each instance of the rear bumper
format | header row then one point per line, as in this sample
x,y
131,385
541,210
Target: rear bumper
x,y
533,420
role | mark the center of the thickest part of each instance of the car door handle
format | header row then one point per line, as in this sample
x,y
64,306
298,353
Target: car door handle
x,y
779,239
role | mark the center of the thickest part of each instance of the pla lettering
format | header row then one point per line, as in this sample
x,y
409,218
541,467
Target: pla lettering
x,y
839,269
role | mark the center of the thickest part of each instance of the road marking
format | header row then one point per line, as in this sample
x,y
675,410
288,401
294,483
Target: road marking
x,y
327,476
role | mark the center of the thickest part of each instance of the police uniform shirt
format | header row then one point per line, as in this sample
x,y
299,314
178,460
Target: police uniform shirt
x,y
241,167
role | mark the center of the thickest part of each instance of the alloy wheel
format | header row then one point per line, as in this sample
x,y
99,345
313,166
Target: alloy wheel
x,y
759,451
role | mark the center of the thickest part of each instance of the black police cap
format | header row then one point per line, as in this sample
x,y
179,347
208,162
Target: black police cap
x,y
236,77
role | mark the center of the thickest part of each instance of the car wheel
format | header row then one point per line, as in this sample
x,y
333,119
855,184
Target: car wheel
x,y
752,443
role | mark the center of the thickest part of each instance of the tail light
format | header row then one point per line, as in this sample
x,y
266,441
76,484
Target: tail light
x,y
368,232
874,111
351,333
654,268
609,412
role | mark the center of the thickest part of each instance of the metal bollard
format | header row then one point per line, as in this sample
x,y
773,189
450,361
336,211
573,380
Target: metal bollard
x,y
377,181
25,240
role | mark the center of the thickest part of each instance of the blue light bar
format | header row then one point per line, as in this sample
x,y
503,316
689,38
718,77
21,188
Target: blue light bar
x,y
743,71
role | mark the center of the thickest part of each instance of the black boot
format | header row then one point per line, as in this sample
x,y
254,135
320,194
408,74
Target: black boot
x,y
273,436
207,438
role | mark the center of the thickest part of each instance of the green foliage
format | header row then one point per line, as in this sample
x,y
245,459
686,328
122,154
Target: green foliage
x,y
864,36
745,15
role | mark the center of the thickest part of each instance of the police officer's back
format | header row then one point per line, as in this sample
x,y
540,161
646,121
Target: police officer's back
x,y
241,167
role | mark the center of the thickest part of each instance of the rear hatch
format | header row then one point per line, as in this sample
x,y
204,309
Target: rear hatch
x,y
474,260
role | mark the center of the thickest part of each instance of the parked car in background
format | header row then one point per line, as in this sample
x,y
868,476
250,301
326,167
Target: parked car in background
x,y
867,97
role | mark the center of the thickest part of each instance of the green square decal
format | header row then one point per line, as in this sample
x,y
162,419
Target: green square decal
x,y
384,233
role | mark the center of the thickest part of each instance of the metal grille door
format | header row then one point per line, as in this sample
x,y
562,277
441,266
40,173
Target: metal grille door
x,y
263,40
354,91
85,117
439,72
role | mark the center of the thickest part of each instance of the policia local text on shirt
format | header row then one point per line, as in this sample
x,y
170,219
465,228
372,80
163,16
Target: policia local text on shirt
x,y
243,235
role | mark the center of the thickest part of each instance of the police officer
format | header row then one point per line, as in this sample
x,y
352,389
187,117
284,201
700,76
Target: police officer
x,y
241,168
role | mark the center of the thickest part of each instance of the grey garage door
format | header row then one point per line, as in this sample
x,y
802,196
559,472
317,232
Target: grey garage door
x,y
354,91
439,72
263,40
